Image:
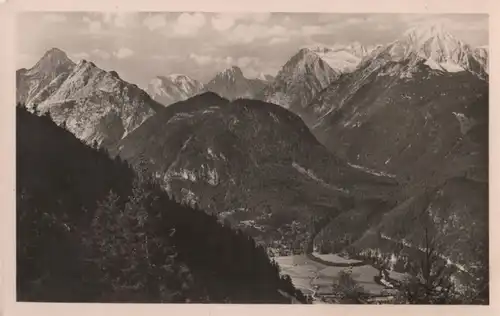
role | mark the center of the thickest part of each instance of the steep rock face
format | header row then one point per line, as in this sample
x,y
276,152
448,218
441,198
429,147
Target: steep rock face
x,y
232,84
483,56
97,106
173,88
50,70
255,160
300,79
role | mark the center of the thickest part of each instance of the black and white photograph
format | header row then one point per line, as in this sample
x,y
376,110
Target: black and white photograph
x,y
252,157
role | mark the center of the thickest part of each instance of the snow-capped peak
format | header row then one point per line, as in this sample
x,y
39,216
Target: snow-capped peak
x,y
173,88
434,45
441,49
430,41
421,33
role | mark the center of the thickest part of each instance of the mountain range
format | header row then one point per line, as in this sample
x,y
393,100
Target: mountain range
x,y
204,149
229,83
415,111
418,109
363,140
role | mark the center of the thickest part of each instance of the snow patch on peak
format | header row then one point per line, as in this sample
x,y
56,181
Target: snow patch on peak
x,y
438,48
342,57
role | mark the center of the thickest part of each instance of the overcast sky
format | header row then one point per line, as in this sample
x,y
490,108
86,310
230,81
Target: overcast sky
x,y
140,46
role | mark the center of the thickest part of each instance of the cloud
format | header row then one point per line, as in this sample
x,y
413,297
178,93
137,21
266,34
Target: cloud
x,y
81,55
245,61
54,18
201,60
169,58
94,26
313,30
279,40
25,60
101,54
253,67
452,24
260,17
156,21
216,62
222,22
123,53
120,19
247,33
188,24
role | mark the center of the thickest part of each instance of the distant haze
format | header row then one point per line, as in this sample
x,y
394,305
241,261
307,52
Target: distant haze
x,y
140,46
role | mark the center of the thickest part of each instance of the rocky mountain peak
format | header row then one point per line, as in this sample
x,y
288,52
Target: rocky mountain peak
x,y
434,44
55,54
430,41
54,60
232,84
303,75
231,72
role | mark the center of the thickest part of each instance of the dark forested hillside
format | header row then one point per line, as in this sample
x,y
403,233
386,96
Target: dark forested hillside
x,y
253,163
91,229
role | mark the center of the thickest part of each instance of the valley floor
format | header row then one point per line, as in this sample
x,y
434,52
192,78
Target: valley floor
x,y
315,278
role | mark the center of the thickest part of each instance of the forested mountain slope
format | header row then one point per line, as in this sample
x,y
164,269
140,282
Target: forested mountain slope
x,y
90,229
